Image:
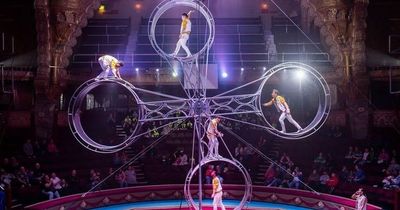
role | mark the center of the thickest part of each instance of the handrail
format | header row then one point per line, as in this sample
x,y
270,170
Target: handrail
x,y
219,34
270,57
107,25
298,43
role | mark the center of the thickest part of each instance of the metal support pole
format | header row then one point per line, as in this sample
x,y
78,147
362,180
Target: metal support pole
x,y
197,124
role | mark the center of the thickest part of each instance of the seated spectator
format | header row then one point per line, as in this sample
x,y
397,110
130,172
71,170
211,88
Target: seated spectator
x,y
120,177
332,182
47,188
391,182
320,161
23,177
28,149
323,179
383,157
349,154
6,178
344,174
184,158
74,182
270,174
239,152
94,178
359,176
117,159
372,155
393,168
357,155
314,179
131,176
285,161
297,176
38,149
37,173
52,148
56,182
365,157
286,178
178,160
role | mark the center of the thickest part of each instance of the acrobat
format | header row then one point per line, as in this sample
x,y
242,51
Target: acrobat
x,y
186,27
282,106
212,135
217,192
108,62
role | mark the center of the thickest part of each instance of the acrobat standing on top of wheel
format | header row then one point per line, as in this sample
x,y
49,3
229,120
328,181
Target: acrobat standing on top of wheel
x,y
283,107
186,27
212,135
108,62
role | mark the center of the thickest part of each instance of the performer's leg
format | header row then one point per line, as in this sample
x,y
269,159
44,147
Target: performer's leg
x,y
184,41
215,202
220,203
291,120
103,67
210,147
178,47
114,72
282,121
216,145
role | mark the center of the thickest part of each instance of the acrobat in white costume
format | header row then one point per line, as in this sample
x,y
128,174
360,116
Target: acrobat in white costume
x,y
217,192
282,106
186,27
108,62
212,135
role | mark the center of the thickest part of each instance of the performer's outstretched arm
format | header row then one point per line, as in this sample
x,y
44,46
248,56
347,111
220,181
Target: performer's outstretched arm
x,y
189,13
268,103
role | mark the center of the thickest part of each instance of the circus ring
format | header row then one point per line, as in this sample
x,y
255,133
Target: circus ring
x,y
171,197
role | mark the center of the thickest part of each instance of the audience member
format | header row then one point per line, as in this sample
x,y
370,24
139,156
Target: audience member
x,y
332,182
383,157
314,179
28,149
52,148
48,189
120,177
359,176
131,176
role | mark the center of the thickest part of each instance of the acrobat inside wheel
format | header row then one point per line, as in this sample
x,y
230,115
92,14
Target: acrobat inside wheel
x,y
164,38
103,114
205,162
306,92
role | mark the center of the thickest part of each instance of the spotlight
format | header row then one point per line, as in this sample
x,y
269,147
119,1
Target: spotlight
x,y
138,6
174,74
137,69
264,68
242,69
224,75
264,6
102,9
157,70
300,74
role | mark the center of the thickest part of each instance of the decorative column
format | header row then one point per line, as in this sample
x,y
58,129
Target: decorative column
x,y
358,83
58,24
342,30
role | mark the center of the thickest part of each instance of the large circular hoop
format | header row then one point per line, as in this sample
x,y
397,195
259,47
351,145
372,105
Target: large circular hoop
x,y
237,164
74,120
324,100
168,4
